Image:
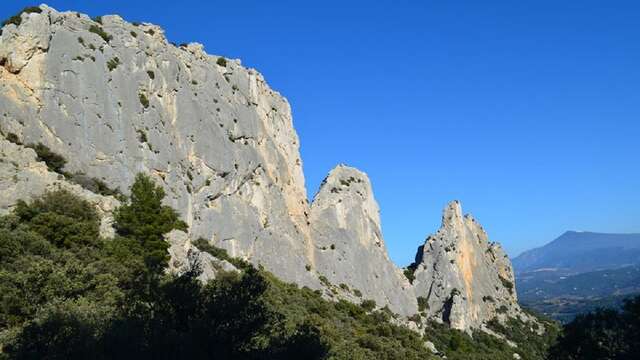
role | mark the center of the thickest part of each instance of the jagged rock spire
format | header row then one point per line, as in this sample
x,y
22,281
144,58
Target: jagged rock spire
x,y
465,279
349,247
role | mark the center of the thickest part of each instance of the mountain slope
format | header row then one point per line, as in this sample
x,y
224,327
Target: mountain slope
x,y
578,272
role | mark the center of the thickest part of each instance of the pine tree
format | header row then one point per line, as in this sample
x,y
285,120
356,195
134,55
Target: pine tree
x,y
146,220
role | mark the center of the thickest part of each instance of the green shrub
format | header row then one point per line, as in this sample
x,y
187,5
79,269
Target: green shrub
x,y
146,220
94,185
507,284
142,136
323,279
368,305
219,253
100,32
113,63
408,273
144,100
55,162
423,303
221,61
13,138
151,74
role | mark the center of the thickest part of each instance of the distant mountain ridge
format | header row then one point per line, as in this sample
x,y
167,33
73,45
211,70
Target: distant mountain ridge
x,y
578,272
578,252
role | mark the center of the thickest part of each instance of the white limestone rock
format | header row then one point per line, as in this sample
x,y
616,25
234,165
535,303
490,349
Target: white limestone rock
x,y
349,247
217,138
23,177
184,256
465,279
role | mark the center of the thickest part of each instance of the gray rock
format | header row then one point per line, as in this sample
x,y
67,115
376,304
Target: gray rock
x,y
184,256
348,244
22,177
431,347
218,139
466,279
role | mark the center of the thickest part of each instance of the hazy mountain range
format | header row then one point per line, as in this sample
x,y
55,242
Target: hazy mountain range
x,y
578,272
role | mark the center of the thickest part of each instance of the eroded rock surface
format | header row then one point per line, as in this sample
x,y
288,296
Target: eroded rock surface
x,y
466,279
116,99
23,177
349,247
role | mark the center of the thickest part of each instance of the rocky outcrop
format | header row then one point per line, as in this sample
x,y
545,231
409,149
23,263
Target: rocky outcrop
x,y
23,177
185,257
465,279
348,244
116,99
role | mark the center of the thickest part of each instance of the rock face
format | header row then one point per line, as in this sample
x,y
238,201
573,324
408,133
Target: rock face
x,y
185,256
465,279
23,177
349,248
116,99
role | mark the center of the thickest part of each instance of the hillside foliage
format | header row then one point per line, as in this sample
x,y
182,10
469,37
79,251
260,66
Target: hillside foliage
x,y
601,334
67,293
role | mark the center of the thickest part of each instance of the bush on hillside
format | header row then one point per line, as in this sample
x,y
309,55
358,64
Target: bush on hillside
x,y
17,18
601,334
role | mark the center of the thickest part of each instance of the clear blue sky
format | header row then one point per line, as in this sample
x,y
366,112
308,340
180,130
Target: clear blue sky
x,y
526,111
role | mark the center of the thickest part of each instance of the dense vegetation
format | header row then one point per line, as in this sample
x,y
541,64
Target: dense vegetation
x,y
67,293
458,345
601,334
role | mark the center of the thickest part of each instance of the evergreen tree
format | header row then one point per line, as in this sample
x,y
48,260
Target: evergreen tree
x,y
146,220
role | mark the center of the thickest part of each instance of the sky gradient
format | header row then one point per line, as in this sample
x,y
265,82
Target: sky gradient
x,y
528,112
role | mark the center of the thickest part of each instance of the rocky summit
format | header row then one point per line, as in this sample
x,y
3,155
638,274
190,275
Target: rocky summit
x,y
115,99
464,278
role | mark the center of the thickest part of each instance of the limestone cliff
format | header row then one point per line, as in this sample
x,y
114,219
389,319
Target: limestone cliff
x,y
116,98
465,279
349,248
